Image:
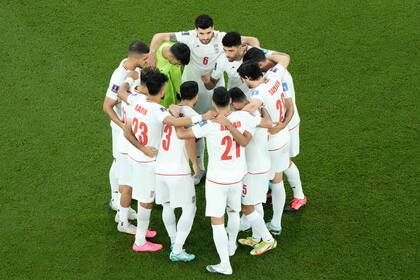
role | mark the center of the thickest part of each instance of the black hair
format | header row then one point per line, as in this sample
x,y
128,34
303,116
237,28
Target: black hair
x,y
181,52
138,47
145,72
232,39
155,82
237,94
189,90
250,70
203,22
221,97
254,55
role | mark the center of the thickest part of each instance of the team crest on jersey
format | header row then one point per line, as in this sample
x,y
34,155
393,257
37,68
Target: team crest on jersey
x,y
202,123
285,87
115,88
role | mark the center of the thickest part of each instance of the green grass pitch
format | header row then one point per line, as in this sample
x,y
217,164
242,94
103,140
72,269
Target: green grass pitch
x,y
356,69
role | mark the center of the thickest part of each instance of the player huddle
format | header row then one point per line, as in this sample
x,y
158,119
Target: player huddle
x,y
169,101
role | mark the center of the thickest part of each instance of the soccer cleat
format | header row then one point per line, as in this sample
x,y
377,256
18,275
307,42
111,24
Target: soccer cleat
x,y
147,247
295,204
263,247
274,230
150,233
232,249
249,241
219,268
181,257
132,215
127,228
197,179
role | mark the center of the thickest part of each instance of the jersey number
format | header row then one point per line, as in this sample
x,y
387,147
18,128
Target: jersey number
x,y
167,138
140,128
206,60
228,141
280,106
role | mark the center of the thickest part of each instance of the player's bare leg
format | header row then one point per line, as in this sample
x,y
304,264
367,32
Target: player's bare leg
x,y
279,199
293,177
221,242
143,219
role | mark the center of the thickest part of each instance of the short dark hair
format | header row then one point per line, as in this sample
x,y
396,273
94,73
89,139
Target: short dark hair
x,y
181,52
145,73
203,22
232,39
237,94
155,82
138,47
254,55
250,70
221,97
189,90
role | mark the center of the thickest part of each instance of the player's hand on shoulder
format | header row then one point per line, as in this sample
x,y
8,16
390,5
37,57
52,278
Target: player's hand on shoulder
x,y
221,119
151,59
278,126
206,78
209,115
175,110
150,151
133,74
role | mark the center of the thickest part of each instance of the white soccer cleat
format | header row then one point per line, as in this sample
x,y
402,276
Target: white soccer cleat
x,y
132,215
219,268
127,228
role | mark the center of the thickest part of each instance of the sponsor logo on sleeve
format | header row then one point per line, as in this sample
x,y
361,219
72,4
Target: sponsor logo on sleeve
x,y
115,88
285,87
254,93
163,109
202,123
185,33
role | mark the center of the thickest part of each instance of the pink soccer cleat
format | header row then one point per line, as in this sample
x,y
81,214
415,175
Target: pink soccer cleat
x,y
150,233
147,247
295,204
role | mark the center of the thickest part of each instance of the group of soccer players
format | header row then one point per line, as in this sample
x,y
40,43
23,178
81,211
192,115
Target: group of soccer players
x,y
169,101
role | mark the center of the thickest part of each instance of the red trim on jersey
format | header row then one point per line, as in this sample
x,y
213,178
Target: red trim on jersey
x,y
223,184
258,173
290,129
186,174
141,161
277,148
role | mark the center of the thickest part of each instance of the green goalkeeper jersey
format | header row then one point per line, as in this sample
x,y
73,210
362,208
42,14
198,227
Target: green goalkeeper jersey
x,y
173,73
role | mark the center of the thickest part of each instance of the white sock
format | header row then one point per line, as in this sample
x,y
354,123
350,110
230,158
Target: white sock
x,y
244,222
259,226
143,219
123,215
293,176
200,146
233,227
278,195
113,181
184,227
260,209
169,220
221,241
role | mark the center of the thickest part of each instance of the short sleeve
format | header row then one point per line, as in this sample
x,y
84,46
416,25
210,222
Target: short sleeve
x,y
201,129
161,113
256,94
251,123
286,89
219,68
185,37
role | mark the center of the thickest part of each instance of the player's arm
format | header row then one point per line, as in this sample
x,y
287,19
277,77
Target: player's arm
x,y
288,116
184,133
124,90
252,106
266,121
191,151
279,58
252,41
240,138
208,81
157,39
108,108
128,133
184,121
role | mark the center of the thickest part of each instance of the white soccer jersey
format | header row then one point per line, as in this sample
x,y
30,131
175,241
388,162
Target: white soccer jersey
x,y
257,156
227,163
273,98
117,79
231,68
147,125
123,144
172,158
203,56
